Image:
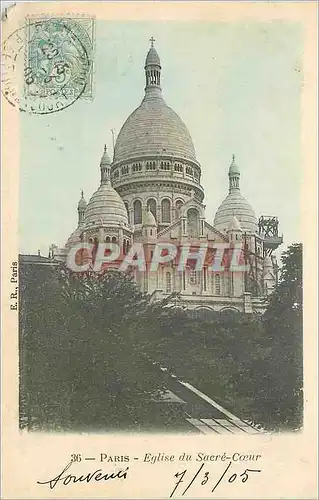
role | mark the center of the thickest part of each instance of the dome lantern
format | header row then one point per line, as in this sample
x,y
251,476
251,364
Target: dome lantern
x,y
233,175
81,208
105,166
152,69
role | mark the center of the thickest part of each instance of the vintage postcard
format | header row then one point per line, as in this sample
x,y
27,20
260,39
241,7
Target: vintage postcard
x,y
159,258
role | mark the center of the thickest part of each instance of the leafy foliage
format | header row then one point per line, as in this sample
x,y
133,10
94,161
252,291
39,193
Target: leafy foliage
x,y
81,353
250,364
283,394
87,345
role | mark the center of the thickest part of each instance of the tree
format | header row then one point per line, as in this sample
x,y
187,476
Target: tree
x,y
82,340
88,342
286,300
251,364
280,375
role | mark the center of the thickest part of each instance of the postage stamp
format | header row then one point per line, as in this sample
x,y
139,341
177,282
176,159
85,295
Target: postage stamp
x,y
53,56
59,57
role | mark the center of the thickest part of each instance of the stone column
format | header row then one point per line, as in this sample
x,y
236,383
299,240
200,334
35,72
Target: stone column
x,y
184,226
121,237
101,235
201,228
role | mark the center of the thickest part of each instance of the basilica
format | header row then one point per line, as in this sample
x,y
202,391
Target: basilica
x,y
151,192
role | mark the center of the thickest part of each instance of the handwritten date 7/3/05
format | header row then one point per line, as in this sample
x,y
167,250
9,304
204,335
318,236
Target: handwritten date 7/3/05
x,y
205,478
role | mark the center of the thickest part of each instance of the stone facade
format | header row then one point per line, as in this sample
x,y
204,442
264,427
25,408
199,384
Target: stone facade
x,y
151,193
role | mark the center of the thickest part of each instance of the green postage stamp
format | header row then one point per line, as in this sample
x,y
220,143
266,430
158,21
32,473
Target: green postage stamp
x,y
59,59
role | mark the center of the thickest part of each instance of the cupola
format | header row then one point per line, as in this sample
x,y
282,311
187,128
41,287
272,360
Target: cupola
x,y
235,205
105,207
150,226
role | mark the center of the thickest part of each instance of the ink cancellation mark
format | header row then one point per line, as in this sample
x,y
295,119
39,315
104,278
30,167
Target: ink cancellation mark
x,y
53,57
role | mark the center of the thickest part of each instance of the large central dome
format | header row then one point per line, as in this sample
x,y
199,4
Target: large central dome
x,y
153,128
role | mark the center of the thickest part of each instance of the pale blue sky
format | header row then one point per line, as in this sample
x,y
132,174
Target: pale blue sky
x,y
235,85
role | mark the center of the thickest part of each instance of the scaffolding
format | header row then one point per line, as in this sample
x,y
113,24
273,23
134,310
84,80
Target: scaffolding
x,y
254,261
268,231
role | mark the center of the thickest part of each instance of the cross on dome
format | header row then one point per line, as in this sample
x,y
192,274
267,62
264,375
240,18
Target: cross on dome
x,y
152,40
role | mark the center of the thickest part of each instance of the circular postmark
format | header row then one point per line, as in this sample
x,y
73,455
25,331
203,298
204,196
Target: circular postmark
x,y
45,65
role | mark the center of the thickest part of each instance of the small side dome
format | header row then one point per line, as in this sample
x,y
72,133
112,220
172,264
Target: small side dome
x,y
234,224
107,207
236,203
74,238
150,219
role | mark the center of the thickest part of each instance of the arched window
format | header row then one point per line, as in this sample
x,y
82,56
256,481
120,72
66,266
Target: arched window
x,y
137,212
107,239
127,246
151,204
128,212
166,211
168,282
193,222
178,205
189,171
114,239
217,284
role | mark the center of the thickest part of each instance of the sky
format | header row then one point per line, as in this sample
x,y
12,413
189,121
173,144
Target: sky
x,y
237,87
